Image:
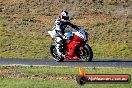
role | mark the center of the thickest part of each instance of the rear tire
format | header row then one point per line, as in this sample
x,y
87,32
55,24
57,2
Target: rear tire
x,y
54,54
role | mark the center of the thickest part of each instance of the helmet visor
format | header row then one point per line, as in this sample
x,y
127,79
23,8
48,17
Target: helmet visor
x,y
65,18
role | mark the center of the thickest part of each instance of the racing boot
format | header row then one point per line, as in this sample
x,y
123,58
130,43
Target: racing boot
x,y
59,50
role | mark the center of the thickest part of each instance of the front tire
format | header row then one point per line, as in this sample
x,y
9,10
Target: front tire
x,y
89,55
86,54
54,54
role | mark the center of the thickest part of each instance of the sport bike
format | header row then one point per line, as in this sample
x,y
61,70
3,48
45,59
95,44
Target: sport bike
x,y
74,47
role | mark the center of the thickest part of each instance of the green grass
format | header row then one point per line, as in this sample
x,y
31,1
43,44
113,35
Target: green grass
x,y
20,71
22,42
22,77
108,51
110,31
24,83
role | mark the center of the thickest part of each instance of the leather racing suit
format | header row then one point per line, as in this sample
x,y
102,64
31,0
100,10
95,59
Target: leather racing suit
x,y
59,28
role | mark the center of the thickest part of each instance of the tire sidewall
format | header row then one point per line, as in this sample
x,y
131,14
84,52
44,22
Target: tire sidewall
x,y
89,50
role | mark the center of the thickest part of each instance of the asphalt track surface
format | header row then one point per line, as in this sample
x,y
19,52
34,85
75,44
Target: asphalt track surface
x,y
51,62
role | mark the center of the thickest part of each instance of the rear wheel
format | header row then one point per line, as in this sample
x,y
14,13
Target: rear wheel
x,y
86,54
54,54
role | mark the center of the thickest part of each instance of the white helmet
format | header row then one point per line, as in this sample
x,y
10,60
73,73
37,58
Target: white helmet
x,y
64,16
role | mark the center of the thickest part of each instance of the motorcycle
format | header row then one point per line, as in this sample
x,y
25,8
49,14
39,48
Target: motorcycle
x,y
75,46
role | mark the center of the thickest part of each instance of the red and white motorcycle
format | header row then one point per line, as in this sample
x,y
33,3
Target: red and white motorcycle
x,y
74,48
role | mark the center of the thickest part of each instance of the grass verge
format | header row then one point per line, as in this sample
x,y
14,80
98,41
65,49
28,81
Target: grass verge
x,y
108,51
24,83
35,77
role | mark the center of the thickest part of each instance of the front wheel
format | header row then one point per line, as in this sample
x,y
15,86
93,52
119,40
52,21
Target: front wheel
x,y
54,54
86,54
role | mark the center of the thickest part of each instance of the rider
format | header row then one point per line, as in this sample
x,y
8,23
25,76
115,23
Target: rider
x,y
59,27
